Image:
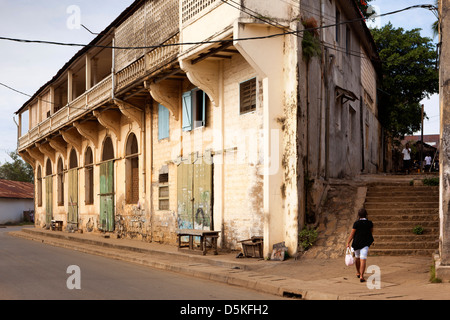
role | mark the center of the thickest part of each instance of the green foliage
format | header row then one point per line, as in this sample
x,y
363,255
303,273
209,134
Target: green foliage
x,y
409,75
431,181
310,43
433,278
418,230
307,237
310,46
17,170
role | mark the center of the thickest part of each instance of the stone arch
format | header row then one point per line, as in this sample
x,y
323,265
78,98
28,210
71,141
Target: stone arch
x,y
108,149
73,159
132,169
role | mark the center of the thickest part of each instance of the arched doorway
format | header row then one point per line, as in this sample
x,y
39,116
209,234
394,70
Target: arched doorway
x,y
107,187
39,187
48,193
72,216
132,170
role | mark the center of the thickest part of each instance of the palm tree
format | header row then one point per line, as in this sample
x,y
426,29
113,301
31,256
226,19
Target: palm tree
x,y
435,26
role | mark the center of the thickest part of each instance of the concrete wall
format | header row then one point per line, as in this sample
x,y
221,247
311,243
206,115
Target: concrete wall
x,y
11,210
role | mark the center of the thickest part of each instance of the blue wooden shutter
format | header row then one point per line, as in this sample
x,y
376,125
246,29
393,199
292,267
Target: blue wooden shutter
x,y
187,111
163,122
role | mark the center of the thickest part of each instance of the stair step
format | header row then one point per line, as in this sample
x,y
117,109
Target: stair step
x,y
405,238
402,188
404,231
381,193
396,198
406,224
402,211
401,252
399,205
406,245
404,217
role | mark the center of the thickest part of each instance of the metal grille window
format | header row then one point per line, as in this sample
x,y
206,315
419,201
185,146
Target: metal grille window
x,y
247,96
163,192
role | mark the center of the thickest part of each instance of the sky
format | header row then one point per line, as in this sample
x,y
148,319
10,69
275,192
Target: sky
x,y
408,20
26,67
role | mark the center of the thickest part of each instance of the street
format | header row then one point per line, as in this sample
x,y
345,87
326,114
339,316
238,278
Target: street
x,y
34,271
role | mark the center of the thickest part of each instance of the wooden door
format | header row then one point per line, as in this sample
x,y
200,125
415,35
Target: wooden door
x,y
107,196
73,197
194,184
48,200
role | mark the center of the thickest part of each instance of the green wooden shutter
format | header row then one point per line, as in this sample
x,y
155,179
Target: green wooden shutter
x,y
107,196
187,111
184,196
73,197
163,122
48,200
194,183
202,195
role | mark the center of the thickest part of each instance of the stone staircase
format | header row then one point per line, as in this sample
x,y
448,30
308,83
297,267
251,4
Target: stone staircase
x,y
395,210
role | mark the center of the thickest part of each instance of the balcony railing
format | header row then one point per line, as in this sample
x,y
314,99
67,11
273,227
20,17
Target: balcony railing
x,y
191,9
85,103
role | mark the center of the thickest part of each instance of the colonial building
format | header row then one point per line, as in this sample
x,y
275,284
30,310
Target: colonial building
x,y
205,114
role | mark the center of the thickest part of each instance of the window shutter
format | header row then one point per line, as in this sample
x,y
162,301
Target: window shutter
x,y
163,122
247,96
187,111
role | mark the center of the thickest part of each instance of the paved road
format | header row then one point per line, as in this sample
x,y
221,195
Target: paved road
x,y
31,270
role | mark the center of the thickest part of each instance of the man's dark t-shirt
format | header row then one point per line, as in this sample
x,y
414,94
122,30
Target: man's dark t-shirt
x,y
363,235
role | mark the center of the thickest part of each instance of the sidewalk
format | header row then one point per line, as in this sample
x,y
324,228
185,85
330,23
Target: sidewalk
x,y
402,278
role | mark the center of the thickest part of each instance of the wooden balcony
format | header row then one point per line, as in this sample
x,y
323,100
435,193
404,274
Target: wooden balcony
x,y
85,103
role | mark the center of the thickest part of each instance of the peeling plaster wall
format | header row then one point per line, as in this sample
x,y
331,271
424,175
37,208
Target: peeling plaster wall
x,y
242,171
444,209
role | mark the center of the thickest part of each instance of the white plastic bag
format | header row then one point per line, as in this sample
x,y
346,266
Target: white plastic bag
x,y
349,261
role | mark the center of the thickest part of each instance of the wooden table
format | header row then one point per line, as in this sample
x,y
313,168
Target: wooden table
x,y
207,237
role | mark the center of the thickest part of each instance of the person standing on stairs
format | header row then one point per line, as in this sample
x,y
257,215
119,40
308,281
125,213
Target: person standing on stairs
x,y
406,158
362,239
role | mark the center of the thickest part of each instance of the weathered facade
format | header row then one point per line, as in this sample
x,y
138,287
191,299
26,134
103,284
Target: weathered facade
x,y
212,119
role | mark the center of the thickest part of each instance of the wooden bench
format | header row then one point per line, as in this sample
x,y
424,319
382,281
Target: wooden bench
x,y
207,237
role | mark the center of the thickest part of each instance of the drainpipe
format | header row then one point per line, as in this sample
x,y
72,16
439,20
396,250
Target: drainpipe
x,y
113,67
327,115
18,132
362,133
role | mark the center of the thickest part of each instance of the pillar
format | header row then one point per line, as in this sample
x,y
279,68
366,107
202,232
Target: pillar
x,y
443,264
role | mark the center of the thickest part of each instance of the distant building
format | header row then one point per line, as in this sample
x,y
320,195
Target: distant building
x,y
15,198
430,139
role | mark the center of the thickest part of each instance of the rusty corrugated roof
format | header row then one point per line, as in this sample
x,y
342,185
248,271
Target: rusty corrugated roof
x,y
16,189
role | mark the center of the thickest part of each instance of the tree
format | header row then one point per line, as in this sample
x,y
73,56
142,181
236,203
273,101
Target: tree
x,y
435,25
409,75
18,170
